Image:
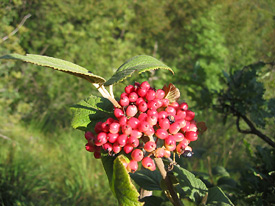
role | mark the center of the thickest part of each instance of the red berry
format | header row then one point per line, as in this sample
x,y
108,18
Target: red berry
x,y
128,148
167,153
124,101
114,127
133,141
112,137
182,122
142,107
132,166
97,155
171,110
123,120
148,163
150,146
161,133
139,100
178,137
181,114
174,128
145,85
105,127
152,120
123,95
151,94
131,110
181,146
189,115
89,135
126,129
153,105
162,115
130,88
152,112
118,113
137,155
90,147
136,133
107,147
190,135
98,127
122,139
116,148
133,122
142,117
183,106
165,102
174,104
144,126
164,123
141,92
170,143
150,131
186,127
101,139
193,127
160,94
133,97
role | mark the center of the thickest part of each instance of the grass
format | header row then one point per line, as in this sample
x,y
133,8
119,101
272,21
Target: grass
x,y
52,169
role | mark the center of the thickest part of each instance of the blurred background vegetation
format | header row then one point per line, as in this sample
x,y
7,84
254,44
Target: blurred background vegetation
x,y
208,43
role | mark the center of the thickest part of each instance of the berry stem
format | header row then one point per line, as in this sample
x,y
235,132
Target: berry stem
x,y
171,195
102,90
111,91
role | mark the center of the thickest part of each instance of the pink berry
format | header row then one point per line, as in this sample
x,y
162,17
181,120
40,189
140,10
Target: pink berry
x,y
159,152
178,137
124,94
165,102
174,128
170,143
171,110
167,153
137,155
174,104
139,100
131,110
152,112
161,133
164,123
162,115
152,120
124,101
145,85
105,127
181,146
122,139
151,94
135,133
142,117
112,137
107,147
118,113
150,146
116,148
182,122
160,94
148,163
133,141
133,122
123,120
144,126
193,127
132,166
141,92
133,97
190,135
130,88
101,139
114,127
153,105
181,114
142,107
186,127
128,148
126,129
150,131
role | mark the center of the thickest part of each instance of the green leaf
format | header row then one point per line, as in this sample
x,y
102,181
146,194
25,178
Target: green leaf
x,y
92,109
57,64
120,181
217,197
152,200
220,171
139,64
148,180
191,186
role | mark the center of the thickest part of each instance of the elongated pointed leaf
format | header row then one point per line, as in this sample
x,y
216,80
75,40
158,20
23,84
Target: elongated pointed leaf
x,y
120,181
58,64
139,64
192,187
217,197
92,109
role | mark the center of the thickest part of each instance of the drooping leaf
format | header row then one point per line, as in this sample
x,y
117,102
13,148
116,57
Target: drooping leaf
x,y
57,64
171,92
139,64
120,181
191,186
217,197
148,180
220,171
92,109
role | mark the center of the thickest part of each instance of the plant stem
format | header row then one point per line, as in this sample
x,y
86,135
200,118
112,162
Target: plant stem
x,y
172,196
103,91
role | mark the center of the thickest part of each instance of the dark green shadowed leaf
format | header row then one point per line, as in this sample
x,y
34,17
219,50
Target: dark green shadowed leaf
x,y
91,110
217,197
139,64
148,180
58,64
191,186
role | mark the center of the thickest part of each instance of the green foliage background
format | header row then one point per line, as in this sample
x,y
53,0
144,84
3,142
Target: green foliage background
x,y
198,39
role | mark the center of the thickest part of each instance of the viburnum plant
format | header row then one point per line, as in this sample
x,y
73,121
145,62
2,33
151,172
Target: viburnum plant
x,y
138,135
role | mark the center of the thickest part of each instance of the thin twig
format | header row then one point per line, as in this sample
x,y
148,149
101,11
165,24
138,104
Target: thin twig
x,y
5,137
17,28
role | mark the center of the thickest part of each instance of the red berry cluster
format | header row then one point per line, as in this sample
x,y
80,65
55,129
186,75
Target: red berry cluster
x,y
147,125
